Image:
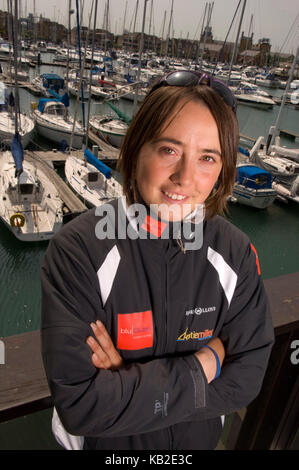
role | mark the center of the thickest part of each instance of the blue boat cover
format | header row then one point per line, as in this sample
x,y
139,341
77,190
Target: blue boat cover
x,y
52,80
42,102
17,153
244,151
54,94
98,164
64,99
254,177
129,80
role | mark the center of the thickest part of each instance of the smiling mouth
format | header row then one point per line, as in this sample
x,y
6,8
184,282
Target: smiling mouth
x,y
174,196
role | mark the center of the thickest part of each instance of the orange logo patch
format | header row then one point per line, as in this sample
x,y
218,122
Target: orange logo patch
x,y
135,330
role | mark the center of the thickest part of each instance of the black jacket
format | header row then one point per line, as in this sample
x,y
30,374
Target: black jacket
x,y
160,305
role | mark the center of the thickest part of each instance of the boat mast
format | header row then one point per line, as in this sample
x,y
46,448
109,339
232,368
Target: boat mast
x,y
90,72
162,35
236,42
169,26
15,50
274,130
247,40
125,16
80,60
201,33
70,12
139,60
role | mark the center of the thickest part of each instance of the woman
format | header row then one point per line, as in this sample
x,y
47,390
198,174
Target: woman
x,y
156,325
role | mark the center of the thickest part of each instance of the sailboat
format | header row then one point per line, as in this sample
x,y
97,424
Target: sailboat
x,y
91,179
110,128
285,171
47,81
282,163
30,206
54,123
7,120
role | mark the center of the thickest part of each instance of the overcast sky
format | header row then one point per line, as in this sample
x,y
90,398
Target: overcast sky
x,y
274,19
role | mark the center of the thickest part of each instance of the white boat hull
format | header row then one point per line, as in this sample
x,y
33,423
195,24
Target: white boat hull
x,y
32,236
254,103
92,195
57,135
112,139
74,92
7,129
259,199
112,131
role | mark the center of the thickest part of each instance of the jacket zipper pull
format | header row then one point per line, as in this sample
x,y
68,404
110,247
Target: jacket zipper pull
x,y
181,245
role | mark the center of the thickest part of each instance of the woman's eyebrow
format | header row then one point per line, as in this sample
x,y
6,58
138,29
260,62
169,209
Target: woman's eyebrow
x,y
167,139
216,152
178,142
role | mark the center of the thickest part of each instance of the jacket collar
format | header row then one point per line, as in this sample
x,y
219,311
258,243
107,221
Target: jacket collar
x,y
148,225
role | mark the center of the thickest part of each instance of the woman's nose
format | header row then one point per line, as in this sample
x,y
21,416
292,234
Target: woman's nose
x,y
183,173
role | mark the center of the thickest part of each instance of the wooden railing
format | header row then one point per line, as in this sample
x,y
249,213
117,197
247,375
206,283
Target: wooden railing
x,y
271,420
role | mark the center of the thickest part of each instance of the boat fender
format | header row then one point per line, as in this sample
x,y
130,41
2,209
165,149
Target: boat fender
x,y
17,220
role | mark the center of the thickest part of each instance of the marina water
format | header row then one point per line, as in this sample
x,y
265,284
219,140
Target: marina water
x,y
274,232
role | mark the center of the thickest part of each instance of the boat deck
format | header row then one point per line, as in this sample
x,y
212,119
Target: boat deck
x,y
72,202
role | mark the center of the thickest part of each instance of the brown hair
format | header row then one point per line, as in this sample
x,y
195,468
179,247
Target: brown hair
x,y
155,113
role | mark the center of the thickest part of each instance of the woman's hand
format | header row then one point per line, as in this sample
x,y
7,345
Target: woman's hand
x,y
207,359
104,356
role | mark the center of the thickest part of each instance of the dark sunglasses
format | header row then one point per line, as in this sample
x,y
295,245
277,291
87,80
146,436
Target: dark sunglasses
x,y
194,78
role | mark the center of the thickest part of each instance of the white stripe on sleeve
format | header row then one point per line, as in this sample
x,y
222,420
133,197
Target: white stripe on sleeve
x,y
107,272
227,277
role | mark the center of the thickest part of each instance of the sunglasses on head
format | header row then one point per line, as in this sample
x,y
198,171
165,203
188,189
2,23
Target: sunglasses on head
x,y
194,78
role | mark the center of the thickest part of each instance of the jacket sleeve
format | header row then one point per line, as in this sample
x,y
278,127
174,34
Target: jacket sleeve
x,y
248,337
138,398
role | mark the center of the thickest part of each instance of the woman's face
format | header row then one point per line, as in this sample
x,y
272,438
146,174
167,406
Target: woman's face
x,y
179,169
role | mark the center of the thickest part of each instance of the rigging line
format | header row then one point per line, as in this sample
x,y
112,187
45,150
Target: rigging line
x,y
90,72
80,66
289,32
198,25
223,45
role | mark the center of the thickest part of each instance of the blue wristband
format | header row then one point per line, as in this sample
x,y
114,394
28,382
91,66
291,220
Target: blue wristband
x,y
218,371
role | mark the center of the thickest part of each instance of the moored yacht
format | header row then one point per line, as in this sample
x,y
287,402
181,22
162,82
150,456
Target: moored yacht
x,y
112,130
253,186
91,179
7,120
55,124
250,95
29,204
284,170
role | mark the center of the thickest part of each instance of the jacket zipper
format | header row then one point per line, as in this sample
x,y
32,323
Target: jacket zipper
x,y
165,286
165,308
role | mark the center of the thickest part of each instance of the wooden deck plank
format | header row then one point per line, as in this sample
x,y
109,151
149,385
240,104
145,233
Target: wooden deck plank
x,y
23,384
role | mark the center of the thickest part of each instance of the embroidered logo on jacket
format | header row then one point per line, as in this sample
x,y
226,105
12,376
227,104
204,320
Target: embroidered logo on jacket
x,y
199,335
135,330
200,310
